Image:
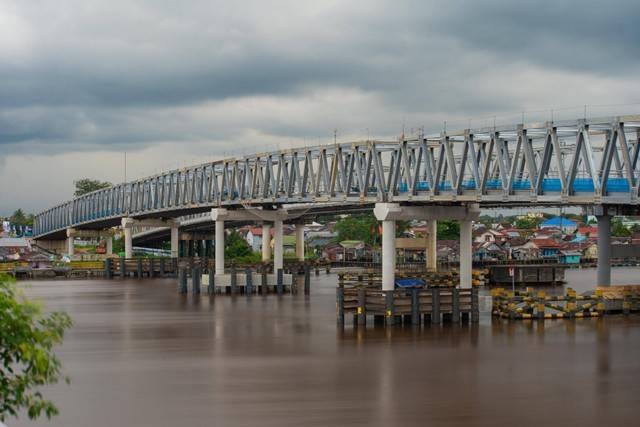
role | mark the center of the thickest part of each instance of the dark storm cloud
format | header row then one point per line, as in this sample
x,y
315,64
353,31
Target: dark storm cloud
x,y
592,36
90,73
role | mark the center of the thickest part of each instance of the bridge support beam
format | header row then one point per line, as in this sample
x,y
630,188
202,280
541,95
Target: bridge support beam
x,y
300,241
432,245
266,242
278,246
70,244
128,242
129,223
219,245
466,253
388,255
175,241
109,240
604,250
388,213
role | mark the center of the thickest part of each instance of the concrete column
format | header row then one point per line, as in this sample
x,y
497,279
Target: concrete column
x,y
219,243
70,246
175,239
388,255
266,242
278,246
466,253
109,240
432,245
604,250
300,241
128,242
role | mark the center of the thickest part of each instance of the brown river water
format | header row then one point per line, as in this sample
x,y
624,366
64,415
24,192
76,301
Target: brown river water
x,y
139,354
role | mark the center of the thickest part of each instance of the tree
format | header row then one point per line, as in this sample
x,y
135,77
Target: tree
x,y
27,338
448,230
358,227
87,185
20,218
527,223
235,246
618,229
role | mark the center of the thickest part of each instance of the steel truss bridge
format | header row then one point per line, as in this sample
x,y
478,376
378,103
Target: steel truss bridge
x,y
584,162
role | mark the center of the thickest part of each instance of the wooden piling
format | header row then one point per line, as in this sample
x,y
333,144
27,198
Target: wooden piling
x,y
280,282
415,306
195,280
182,281
248,281
435,306
307,279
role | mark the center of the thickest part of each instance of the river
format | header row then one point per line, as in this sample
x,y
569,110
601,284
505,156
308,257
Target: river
x,y
139,354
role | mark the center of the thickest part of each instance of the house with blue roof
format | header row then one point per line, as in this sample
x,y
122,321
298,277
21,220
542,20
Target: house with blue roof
x,y
565,224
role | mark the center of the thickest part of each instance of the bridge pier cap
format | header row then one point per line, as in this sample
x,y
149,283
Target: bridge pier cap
x,y
397,212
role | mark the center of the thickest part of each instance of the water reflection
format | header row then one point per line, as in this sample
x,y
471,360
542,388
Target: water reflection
x,y
140,354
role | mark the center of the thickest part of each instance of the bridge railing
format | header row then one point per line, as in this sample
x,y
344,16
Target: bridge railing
x,y
585,161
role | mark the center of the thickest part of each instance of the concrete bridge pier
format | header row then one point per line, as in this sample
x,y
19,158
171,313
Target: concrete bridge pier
x,y
275,217
175,241
466,253
219,244
266,242
389,213
72,233
604,250
432,245
278,246
300,241
129,223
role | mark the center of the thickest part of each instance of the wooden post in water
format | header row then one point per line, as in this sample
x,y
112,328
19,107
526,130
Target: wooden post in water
x,y
248,281
389,309
435,306
195,280
279,282
107,268
263,281
340,304
475,305
307,279
455,305
123,268
362,313
139,268
152,267
174,267
182,281
234,279
212,282
415,306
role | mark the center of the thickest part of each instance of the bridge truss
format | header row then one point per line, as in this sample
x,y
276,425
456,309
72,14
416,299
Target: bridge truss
x,y
577,162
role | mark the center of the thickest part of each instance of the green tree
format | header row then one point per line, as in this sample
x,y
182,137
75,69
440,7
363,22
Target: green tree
x,y
635,228
448,230
235,246
20,218
27,338
527,223
87,185
618,229
358,227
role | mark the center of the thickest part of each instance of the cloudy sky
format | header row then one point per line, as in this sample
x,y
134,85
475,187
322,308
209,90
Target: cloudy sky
x,y
178,82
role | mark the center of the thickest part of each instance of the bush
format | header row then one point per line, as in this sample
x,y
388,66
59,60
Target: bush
x,y
27,338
